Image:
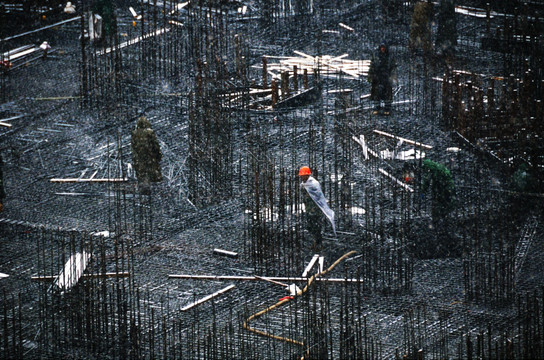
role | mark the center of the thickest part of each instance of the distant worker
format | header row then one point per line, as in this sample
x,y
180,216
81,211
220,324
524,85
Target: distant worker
x,y
446,34
146,154
315,206
106,10
2,190
382,75
438,178
45,48
420,28
69,8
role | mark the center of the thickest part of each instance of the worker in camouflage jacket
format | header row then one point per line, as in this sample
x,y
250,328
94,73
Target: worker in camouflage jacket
x,y
382,75
146,153
2,190
438,178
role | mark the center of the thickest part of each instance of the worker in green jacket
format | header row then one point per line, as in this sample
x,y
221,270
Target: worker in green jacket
x,y
438,178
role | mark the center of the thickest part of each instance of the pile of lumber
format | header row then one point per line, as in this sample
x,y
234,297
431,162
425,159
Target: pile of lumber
x,y
327,65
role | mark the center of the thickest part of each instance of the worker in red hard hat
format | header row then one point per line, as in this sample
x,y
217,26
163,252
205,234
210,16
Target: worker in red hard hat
x,y
315,206
382,76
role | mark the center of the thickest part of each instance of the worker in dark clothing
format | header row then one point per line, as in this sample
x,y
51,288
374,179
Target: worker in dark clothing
x,y
315,206
146,154
438,178
420,28
106,9
446,34
382,75
2,190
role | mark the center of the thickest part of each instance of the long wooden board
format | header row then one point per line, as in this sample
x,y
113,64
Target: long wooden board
x,y
73,270
207,298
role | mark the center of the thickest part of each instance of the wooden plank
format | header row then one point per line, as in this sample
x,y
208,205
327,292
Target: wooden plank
x,y
7,54
72,180
86,276
179,7
57,98
255,278
366,149
272,281
73,270
2,275
349,28
5,124
403,185
132,41
21,54
13,117
403,139
310,265
43,28
207,298
304,55
225,252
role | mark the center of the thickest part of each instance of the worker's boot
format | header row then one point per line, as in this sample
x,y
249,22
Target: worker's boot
x,y
387,108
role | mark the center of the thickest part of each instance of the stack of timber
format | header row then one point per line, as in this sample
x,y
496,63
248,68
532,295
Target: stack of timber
x,y
327,65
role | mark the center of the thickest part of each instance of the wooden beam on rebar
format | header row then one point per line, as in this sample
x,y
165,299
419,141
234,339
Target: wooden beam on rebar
x,y
366,149
403,185
73,270
5,124
13,118
310,265
411,142
75,180
86,276
207,298
258,278
40,29
225,252
58,98
272,281
132,41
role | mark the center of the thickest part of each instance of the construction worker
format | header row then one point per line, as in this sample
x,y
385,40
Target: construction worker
x,y
69,8
2,190
438,178
45,48
315,206
146,154
420,28
106,10
382,75
446,34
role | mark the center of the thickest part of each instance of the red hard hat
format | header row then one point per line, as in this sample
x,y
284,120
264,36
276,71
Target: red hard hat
x,y
304,171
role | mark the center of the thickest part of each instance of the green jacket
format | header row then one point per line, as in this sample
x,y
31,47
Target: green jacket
x,y
437,177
